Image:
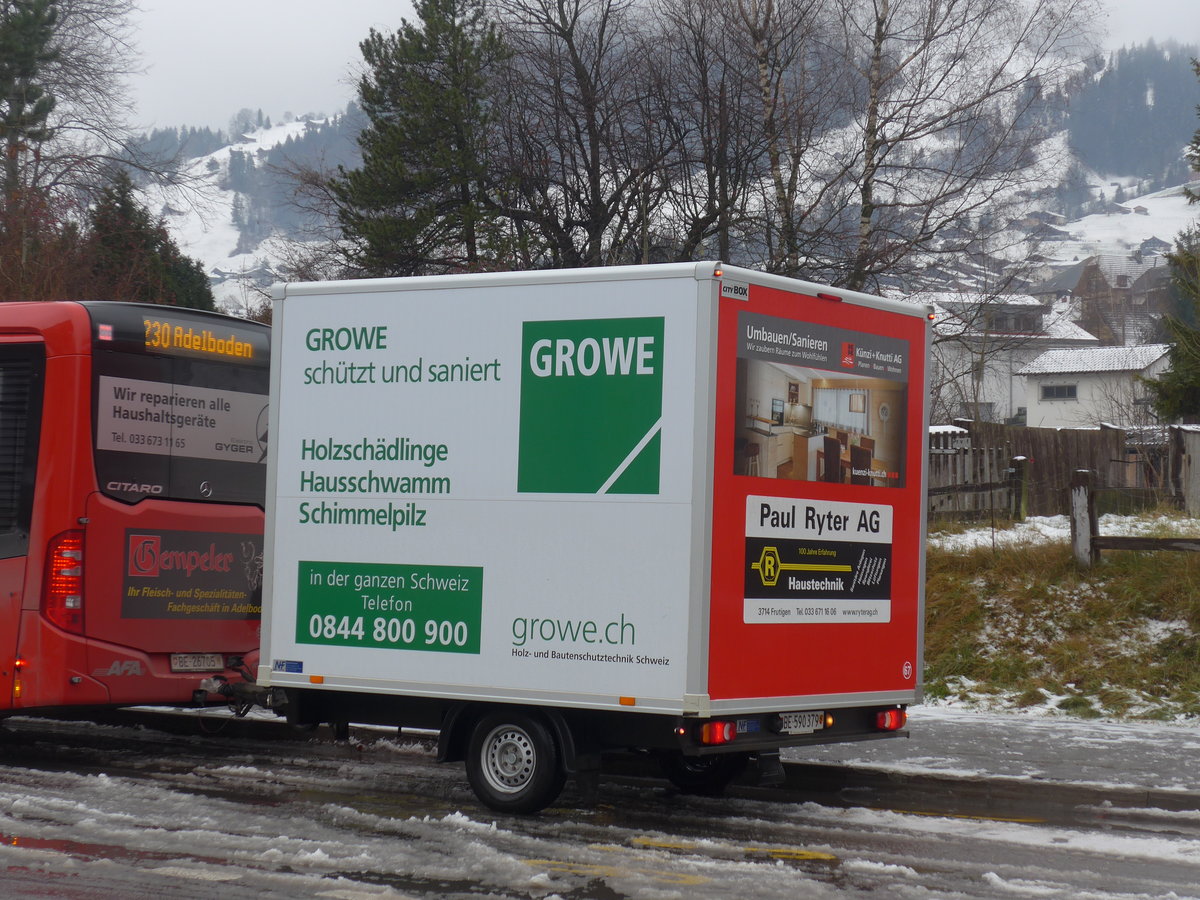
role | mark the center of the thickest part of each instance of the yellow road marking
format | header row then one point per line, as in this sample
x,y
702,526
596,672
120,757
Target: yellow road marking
x,y
774,852
790,853
665,845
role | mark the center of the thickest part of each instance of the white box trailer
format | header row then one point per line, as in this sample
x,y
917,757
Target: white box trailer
x,y
677,508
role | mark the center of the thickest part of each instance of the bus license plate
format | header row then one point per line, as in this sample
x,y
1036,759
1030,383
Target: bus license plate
x,y
196,662
802,722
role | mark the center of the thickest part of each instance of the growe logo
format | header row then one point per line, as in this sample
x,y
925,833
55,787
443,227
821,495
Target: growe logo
x,y
149,559
591,406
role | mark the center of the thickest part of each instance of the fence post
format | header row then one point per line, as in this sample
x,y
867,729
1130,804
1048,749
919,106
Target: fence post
x,y
1018,493
1083,518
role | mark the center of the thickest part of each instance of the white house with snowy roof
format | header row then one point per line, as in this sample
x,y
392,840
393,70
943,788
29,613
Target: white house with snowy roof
x,y
981,344
1087,387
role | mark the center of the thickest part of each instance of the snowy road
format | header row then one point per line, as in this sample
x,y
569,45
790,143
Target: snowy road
x,y
91,811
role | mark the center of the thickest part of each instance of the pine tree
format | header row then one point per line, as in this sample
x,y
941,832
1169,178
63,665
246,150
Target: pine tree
x,y
1131,120
419,202
26,33
1193,150
1177,393
134,258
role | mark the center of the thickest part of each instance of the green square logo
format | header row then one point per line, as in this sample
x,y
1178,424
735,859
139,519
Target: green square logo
x,y
591,406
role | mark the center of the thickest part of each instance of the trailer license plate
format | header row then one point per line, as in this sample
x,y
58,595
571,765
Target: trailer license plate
x,y
802,722
196,662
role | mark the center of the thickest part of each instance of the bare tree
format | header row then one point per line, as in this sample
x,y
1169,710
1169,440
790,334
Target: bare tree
x,y
53,172
92,131
854,142
718,153
799,99
584,142
945,119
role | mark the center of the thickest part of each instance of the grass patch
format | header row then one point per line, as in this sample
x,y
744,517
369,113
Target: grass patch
x,y
1027,627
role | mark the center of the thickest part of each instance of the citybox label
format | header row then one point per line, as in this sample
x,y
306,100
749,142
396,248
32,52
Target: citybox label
x,y
402,607
591,406
817,561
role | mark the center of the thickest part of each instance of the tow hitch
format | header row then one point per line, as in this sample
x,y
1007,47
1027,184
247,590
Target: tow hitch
x,y
242,695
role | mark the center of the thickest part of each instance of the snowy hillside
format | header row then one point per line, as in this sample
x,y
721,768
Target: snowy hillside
x,y
205,228
204,225
1162,215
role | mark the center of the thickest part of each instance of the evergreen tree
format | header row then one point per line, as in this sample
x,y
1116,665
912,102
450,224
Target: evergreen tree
x,y
1133,118
1177,392
134,258
26,34
1193,150
419,201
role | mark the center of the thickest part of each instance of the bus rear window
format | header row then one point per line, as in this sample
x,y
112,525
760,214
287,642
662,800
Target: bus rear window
x,y
22,368
180,405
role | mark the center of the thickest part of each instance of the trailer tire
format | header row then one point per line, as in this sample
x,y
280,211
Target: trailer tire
x,y
702,774
513,763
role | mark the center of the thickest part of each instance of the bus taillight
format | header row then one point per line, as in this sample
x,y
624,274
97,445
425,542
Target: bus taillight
x,y
62,600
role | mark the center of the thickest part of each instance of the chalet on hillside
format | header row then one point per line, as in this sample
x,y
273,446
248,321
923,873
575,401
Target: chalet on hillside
x,y
1154,246
1109,305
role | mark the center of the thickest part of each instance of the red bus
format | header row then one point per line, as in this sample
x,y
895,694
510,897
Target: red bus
x,y
132,477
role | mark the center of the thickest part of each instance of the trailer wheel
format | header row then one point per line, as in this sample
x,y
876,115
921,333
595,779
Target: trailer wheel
x,y
702,774
513,764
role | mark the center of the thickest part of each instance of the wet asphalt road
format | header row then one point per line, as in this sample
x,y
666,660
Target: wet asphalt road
x,y
157,809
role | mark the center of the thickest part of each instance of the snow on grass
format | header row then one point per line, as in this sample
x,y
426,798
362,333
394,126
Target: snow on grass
x,y
1041,529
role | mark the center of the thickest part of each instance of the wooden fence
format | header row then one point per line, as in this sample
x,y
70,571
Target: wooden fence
x,y
972,482
1086,540
1014,470
1184,467
984,468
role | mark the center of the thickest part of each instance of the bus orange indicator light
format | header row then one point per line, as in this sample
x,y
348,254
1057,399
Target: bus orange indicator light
x,y
718,732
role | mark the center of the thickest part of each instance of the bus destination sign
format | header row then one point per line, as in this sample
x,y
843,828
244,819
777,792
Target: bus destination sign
x,y
165,336
156,330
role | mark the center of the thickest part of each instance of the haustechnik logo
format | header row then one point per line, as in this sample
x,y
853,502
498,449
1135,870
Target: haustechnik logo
x,y
591,406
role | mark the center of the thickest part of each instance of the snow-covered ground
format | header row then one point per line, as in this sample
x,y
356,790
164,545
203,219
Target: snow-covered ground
x,y
1004,628
1037,745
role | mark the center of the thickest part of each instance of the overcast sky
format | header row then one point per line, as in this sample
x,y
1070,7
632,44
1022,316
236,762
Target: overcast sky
x,y
205,61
